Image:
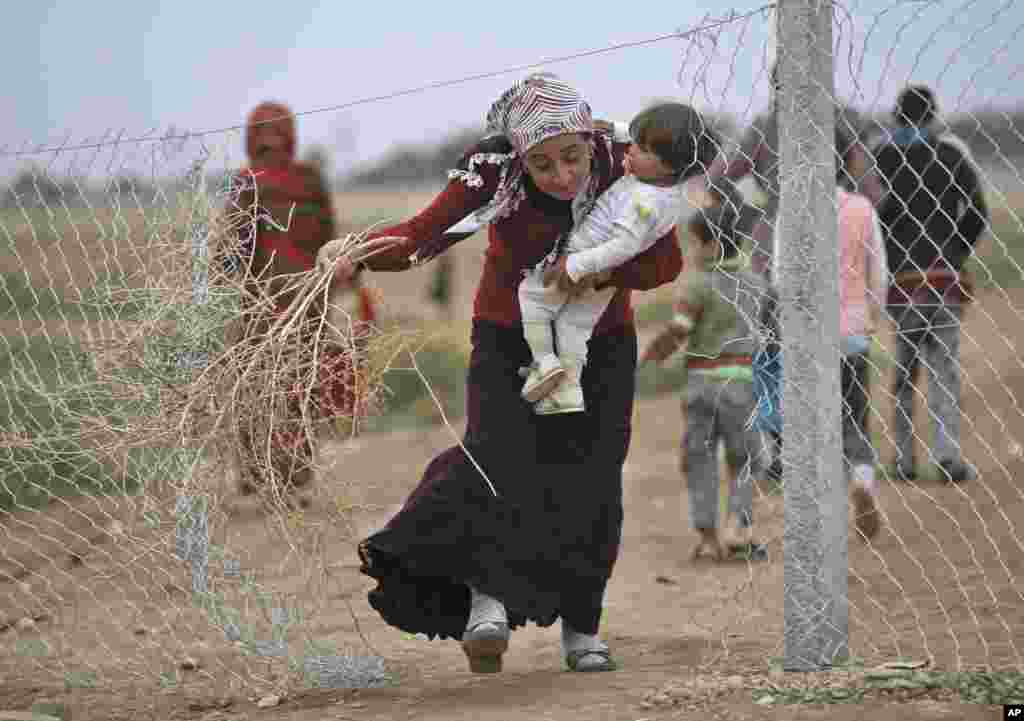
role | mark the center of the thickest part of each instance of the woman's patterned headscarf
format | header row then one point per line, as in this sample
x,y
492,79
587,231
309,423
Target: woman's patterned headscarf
x,y
538,107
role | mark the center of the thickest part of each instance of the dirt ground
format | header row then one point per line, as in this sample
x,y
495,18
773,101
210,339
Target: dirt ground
x,y
941,583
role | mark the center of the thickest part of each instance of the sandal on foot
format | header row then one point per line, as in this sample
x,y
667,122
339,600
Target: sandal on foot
x,y
484,645
585,660
540,383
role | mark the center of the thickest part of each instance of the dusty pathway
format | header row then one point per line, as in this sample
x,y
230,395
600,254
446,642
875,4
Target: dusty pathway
x,y
943,580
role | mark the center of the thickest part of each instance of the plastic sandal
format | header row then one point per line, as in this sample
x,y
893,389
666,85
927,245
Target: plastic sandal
x,y
575,660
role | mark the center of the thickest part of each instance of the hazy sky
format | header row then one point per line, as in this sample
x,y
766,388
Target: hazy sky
x,y
77,71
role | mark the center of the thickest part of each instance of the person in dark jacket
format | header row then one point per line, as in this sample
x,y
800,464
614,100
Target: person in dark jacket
x,y
932,213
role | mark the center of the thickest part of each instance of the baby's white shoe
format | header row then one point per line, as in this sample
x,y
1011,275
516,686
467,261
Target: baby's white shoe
x,y
545,375
568,396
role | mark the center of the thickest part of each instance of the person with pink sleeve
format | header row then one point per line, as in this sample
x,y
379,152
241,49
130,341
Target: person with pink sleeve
x,y
863,281
863,284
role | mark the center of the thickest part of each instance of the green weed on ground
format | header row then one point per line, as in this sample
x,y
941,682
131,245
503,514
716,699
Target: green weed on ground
x,y
407,401
45,386
895,680
110,298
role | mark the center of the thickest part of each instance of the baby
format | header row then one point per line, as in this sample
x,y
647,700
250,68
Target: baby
x,y
558,300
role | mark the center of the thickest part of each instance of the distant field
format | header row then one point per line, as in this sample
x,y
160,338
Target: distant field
x,y
362,207
73,273
67,253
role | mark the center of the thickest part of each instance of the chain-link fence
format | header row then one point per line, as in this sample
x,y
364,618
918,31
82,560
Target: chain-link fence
x,y
879,197
127,398
139,363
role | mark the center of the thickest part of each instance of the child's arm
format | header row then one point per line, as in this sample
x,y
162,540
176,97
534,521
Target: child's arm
x,y
659,262
622,247
445,221
668,341
656,266
633,233
877,276
675,333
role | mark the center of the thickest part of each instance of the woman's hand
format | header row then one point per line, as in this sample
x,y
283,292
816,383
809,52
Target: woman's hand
x,y
344,271
329,253
332,258
386,254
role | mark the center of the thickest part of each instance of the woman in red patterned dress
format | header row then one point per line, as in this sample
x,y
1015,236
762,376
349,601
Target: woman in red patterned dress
x,y
289,218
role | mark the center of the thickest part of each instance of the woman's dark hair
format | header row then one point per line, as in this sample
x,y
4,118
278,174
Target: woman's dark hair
x,y
489,144
716,222
916,106
678,135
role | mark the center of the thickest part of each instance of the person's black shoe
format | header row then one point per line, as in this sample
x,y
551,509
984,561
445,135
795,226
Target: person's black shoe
x,y
956,471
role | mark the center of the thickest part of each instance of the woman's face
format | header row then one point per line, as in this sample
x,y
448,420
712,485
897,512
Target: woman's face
x,y
560,165
270,146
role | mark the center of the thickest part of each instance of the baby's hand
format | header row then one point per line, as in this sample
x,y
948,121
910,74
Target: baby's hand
x,y
558,275
598,281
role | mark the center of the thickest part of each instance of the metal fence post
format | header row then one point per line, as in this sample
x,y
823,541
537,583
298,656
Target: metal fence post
x,y
816,605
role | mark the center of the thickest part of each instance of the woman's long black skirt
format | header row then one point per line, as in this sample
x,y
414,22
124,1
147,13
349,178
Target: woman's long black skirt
x,y
547,544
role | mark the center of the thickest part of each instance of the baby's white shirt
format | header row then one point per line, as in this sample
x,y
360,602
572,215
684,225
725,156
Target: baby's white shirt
x,y
625,221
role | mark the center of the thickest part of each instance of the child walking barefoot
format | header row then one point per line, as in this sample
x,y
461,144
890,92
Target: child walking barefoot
x,y
717,315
